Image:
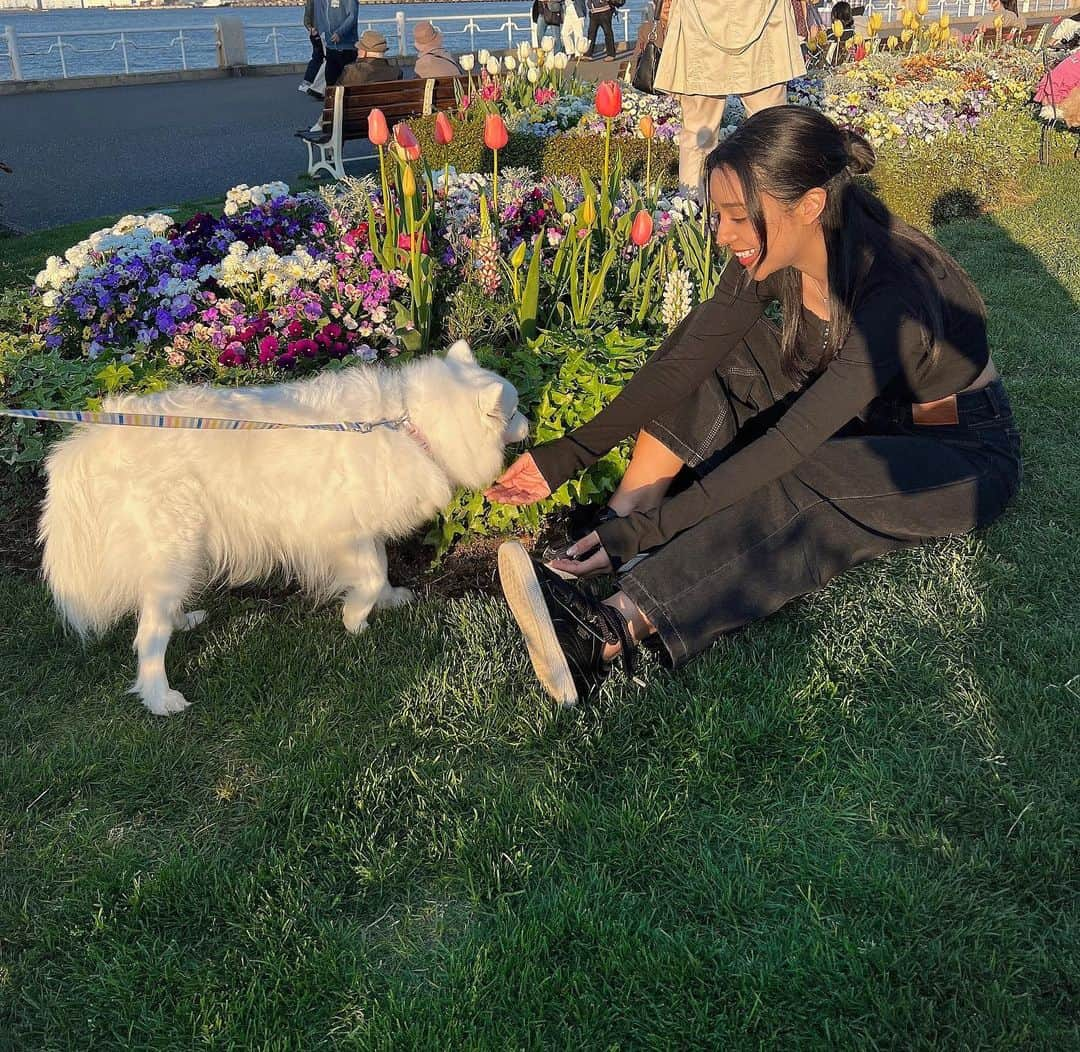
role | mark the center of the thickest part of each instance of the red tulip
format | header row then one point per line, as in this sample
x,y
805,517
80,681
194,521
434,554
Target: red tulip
x,y
495,136
609,99
444,130
406,141
377,131
641,230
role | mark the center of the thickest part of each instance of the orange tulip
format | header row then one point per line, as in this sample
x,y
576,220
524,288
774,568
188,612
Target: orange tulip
x,y
641,230
647,127
609,99
406,142
444,130
377,131
495,134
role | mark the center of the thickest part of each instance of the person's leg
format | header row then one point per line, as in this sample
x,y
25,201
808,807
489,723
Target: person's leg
x,y
541,29
855,499
594,25
609,33
336,61
314,63
701,119
755,101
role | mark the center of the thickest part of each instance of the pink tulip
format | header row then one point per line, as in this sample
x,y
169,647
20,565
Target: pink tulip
x,y
444,130
377,131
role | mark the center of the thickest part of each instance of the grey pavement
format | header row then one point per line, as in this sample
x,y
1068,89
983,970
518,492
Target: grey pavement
x,y
102,151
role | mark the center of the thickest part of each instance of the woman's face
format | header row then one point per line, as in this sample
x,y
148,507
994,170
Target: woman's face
x,y
786,227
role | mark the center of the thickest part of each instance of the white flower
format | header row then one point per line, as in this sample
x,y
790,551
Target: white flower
x,y
493,65
523,51
678,298
510,62
548,44
483,55
561,60
467,62
50,299
533,75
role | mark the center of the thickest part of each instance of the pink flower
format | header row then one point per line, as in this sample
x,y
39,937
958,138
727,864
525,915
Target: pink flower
x,y
233,355
268,349
294,330
542,96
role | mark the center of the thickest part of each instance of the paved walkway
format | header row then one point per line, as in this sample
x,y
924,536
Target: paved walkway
x,y
102,151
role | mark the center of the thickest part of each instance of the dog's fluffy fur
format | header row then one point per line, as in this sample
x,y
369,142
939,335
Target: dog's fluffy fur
x,y
140,519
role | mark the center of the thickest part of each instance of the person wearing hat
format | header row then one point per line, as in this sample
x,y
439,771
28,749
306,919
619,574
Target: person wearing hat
x,y
371,65
434,60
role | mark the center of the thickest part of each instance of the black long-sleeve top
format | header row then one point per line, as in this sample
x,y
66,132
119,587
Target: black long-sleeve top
x,y
887,355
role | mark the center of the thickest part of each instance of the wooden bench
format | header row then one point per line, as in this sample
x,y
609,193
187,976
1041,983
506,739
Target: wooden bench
x,y
346,109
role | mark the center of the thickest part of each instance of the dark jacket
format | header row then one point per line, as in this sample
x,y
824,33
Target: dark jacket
x,y
369,71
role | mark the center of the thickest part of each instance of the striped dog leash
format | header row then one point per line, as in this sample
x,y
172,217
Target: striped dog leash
x,y
213,423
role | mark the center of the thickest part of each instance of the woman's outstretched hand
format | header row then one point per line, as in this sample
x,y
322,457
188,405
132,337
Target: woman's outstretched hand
x,y
521,483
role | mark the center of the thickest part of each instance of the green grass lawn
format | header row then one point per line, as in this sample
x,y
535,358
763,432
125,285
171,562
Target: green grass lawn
x,y
851,826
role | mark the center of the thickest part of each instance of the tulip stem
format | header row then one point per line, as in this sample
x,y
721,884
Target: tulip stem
x,y
385,188
495,184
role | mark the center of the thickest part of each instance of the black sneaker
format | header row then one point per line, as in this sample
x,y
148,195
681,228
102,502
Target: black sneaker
x,y
564,627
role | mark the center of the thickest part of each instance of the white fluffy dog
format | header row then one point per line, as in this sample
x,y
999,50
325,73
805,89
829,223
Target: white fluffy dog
x,y
139,519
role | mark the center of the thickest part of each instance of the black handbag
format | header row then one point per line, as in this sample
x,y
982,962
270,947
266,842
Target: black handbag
x,y
648,60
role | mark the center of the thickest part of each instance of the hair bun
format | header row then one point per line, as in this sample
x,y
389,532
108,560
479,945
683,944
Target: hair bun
x,y
860,154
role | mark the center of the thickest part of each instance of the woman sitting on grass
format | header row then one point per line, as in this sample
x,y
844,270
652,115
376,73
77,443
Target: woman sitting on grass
x,y
769,459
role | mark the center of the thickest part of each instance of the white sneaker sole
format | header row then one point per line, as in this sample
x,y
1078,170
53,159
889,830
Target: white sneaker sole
x,y
526,600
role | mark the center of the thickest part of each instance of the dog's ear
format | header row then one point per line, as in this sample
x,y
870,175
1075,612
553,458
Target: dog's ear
x,y
496,398
461,352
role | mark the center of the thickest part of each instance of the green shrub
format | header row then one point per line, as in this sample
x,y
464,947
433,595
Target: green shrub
x,y
564,378
568,154
467,152
957,175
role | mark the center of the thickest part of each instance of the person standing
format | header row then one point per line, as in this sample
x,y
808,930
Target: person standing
x,y
336,23
600,12
318,56
714,49
433,59
546,14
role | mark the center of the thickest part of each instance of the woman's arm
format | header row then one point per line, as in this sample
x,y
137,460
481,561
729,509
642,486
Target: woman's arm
x,y
866,364
694,350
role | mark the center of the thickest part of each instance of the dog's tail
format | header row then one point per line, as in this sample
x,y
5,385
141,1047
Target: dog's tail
x,y
87,580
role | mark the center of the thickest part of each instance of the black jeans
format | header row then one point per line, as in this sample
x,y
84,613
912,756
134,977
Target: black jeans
x,y
336,61
879,484
317,58
597,21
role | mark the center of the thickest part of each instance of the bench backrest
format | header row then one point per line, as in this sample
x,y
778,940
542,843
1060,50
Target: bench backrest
x,y
398,99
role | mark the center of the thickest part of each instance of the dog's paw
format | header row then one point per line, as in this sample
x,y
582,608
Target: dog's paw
x,y
167,703
392,597
354,621
189,620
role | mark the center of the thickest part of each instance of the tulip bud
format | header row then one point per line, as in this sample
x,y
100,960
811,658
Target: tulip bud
x,y
906,36
406,141
493,65
944,22
892,43
495,135
922,7
548,44
533,76
647,127
838,29
408,182
378,133
999,22
467,62
444,130
483,55
517,257
641,229
608,99
510,63
588,212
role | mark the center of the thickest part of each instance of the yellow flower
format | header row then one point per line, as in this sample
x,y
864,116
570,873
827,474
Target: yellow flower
x,y
588,212
517,257
875,22
906,35
944,21
922,7
838,29
907,19
408,182
999,22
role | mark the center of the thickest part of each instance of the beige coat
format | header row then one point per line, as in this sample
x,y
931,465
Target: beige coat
x,y
729,47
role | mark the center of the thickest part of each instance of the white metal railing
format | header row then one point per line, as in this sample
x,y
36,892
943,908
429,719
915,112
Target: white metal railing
x,y
39,55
